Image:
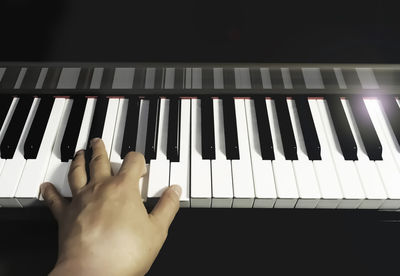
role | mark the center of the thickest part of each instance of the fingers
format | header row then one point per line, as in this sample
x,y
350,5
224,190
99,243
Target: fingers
x,y
54,200
167,207
77,174
133,166
100,167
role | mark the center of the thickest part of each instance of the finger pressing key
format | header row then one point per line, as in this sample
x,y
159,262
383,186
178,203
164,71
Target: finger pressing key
x,y
133,166
77,174
100,167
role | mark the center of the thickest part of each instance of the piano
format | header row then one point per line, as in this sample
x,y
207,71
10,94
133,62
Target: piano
x,y
306,136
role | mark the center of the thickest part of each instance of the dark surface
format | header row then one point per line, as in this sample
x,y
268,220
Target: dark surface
x,y
210,242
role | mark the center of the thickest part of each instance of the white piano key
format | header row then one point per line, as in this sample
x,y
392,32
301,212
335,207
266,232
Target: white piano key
x,y
35,169
141,143
180,171
169,78
367,169
349,179
20,78
41,78
340,78
82,140
266,78
242,78
200,178
96,78
306,179
242,175
12,169
196,78
367,78
263,175
68,78
123,78
109,123
287,81
150,78
5,125
387,167
285,181
159,167
221,169
325,169
313,78
218,78
57,170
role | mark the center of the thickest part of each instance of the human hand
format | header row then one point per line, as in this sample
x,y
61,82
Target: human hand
x,y
105,229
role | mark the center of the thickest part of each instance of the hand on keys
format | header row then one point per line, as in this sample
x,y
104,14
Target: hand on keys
x,y
105,229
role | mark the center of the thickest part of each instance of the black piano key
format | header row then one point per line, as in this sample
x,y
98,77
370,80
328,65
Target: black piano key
x,y
52,77
329,78
99,116
173,141
107,79
139,78
158,78
276,78
286,128
310,136
230,127
10,77
39,124
5,103
207,78
70,138
152,129
342,128
256,79
85,78
14,130
31,77
296,75
179,80
367,130
392,112
131,126
207,128
264,129
229,78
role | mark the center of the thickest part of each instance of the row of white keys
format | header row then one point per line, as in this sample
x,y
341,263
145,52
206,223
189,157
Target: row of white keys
x,y
388,170
307,184
12,169
222,190
180,171
200,177
263,175
5,126
115,155
159,167
327,178
57,171
373,187
351,187
35,169
285,181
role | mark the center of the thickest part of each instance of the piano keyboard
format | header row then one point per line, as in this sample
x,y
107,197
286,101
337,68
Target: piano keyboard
x,y
250,136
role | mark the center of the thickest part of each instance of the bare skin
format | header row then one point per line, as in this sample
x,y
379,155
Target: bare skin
x,y
105,229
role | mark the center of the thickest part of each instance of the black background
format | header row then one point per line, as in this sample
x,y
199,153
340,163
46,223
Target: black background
x,y
213,242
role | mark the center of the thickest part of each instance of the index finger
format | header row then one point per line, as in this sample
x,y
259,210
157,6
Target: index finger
x,y
133,166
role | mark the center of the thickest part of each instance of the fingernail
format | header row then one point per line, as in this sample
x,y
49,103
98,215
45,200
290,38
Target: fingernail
x,y
78,153
94,141
42,188
177,189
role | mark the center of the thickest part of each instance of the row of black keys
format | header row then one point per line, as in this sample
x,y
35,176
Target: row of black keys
x,y
68,145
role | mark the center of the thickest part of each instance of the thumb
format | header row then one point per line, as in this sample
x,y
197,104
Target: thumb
x,y
167,206
53,199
